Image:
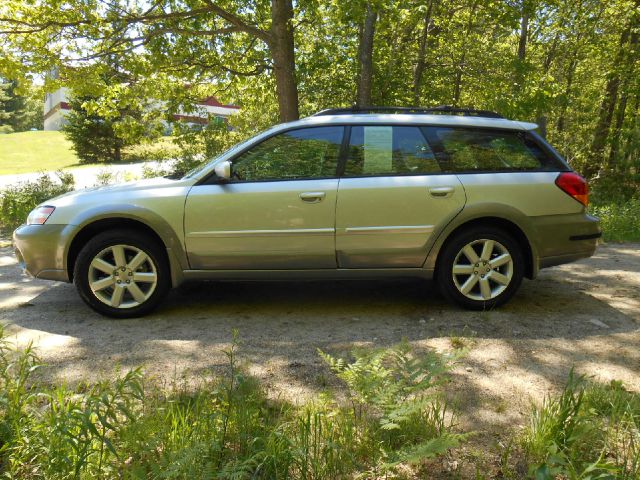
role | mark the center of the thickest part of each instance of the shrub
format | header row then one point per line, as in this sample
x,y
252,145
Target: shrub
x,y
94,138
107,177
16,201
160,150
620,221
224,428
614,187
174,169
588,431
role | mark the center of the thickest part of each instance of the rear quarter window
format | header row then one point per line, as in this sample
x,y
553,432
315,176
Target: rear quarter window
x,y
481,150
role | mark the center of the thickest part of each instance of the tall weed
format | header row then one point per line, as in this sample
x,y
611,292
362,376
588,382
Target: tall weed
x,y
590,431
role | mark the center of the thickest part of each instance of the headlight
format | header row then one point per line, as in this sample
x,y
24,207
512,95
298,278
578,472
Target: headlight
x,y
40,215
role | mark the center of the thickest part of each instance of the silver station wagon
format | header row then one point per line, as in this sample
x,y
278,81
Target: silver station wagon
x,y
466,197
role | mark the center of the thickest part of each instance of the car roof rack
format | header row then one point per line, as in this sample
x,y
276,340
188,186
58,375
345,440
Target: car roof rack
x,y
440,109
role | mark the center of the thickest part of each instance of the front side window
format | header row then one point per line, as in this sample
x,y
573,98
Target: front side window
x,y
296,154
389,150
469,150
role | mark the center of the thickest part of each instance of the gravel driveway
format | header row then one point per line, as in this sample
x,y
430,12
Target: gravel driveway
x,y
585,315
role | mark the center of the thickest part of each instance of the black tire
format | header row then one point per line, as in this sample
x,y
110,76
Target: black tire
x,y
451,251
156,260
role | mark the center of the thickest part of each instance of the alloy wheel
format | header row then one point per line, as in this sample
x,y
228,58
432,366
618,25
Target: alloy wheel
x,y
482,269
122,276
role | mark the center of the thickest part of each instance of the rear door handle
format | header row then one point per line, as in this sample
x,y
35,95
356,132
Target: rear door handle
x,y
440,191
312,197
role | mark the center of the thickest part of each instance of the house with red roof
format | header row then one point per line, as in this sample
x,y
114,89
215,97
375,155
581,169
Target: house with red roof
x,y
56,107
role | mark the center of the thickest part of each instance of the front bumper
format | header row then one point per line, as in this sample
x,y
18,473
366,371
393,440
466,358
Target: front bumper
x,y
40,250
566,238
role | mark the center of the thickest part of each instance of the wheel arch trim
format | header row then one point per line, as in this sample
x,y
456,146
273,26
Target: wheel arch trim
x,y
492,214
106,217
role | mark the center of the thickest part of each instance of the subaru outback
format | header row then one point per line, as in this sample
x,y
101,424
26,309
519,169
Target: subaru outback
x,y
465,197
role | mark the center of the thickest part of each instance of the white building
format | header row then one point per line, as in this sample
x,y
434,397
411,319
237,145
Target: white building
x,y
56,106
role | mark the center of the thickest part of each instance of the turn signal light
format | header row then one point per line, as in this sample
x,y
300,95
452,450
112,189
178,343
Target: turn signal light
x,y
40,215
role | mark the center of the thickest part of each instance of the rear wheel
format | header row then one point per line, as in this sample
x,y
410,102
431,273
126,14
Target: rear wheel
x,y
122,274
480,268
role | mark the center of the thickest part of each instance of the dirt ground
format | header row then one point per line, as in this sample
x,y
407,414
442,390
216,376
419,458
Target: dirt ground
x,y
584,315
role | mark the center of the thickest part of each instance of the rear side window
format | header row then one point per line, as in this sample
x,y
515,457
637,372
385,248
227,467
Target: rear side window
x,y
478,150
389,150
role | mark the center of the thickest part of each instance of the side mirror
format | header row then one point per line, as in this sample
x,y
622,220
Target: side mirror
x,y
223,170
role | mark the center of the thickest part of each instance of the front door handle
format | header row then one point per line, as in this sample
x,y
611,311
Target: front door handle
x,y
312,197
440,191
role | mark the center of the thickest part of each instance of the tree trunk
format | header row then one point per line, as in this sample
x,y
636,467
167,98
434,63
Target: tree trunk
x,y
524,32
567,91
608,104
457,87
615,141
284,66
541,113
548,59
629,151
365,58
632,52
422,53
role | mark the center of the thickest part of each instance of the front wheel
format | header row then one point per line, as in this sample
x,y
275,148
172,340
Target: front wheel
x,y
480,268
122,274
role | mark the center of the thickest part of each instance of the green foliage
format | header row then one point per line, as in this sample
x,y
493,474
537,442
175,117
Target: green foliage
x,y
7,110
17,201
11,107
20,109
570,66
94,137
191,146
615,199
173,168
398,388
620,221
108,177
590,431
224,428
159,150
202,142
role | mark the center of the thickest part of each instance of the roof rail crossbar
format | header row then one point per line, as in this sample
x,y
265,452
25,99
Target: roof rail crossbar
x,y
441,109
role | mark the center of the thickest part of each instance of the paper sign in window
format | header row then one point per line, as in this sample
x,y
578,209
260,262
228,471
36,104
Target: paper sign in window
x,y
378,144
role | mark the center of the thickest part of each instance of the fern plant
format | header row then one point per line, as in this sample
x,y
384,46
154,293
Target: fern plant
x,y
399,390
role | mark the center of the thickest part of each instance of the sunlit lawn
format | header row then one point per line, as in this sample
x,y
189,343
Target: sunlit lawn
x,y
26,152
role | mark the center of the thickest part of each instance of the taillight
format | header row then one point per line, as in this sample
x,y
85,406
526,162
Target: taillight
x,y
575,186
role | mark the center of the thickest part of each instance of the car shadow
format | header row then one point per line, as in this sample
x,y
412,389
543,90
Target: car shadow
x,y
282,324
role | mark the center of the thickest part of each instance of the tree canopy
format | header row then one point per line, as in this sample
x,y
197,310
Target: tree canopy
x,y
569,66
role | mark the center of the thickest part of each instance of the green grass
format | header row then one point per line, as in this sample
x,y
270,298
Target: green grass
x,y
27,152
226,427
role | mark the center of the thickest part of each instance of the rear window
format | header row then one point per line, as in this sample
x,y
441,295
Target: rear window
x,y
478,150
